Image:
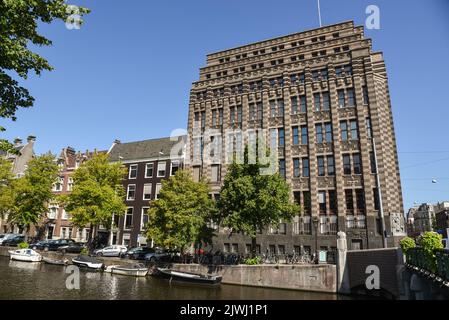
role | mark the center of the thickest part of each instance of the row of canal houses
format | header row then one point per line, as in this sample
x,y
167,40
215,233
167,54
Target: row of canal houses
x,y
148,163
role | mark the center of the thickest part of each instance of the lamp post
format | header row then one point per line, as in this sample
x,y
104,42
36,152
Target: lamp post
x,y
315,223
381,209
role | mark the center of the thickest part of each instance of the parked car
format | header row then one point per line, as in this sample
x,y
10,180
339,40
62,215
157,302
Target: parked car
x,y
157,254
74,247
7,236
39,244
52,245
137,253
111,251
13,242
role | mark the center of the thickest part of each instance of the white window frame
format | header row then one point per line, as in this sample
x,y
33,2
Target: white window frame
x,y
151,190
127,192
141,217
165,169
126,217
171,166
64,215
129,172
156,194
70,184
146,170
53,206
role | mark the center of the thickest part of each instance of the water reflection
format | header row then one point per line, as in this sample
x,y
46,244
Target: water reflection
x,y
22,280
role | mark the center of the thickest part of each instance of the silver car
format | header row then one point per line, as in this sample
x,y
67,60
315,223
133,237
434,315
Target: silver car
x,y
111,251
7,236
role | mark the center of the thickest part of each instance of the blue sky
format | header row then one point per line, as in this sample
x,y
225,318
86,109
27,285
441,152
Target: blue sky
x,y
127,72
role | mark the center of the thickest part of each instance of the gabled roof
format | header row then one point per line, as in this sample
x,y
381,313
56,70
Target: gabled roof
x,y
146,149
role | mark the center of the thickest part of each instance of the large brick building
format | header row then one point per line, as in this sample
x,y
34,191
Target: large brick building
x,y
323,94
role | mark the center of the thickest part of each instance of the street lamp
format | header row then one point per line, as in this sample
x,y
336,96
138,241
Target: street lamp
x,y
315,223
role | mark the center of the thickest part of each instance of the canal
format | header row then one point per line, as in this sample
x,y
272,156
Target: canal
x,y
22,280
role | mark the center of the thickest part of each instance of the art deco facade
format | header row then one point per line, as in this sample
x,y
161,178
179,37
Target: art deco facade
x,y
324,93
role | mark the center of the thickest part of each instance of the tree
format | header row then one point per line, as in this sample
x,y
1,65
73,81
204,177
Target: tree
x,y
178,218
33,192
7,187
407,243
97,193
429,242
18,29
250,201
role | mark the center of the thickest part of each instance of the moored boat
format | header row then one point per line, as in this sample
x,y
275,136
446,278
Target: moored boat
x,y
87,262
134,270
26,255
182,276
55,261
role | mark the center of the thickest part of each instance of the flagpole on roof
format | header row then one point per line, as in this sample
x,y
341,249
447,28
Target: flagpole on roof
x,y
319,13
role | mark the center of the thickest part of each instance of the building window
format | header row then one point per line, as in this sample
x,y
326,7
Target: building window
x,y
294,102
239,116
365,95
326,101
317,101
174,167
273,108
322,202
129,218
196,173
321,167
282,168
214,117
64,215
302,104
296,168
305,167
145,218
351,97
70,184
203,119
319,133
344,130
341,98
147,191
131,192
357,163
330,166
161,168
376,199
281,137
158,190
354,130
52,212
346,164
304,135
133,171
215,172
333,208
369,129
307,202
220,116
149,170
328,129
372,162
349,202
360,198
58,185
295,136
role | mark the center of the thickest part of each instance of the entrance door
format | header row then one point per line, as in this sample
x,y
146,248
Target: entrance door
x,y
50,232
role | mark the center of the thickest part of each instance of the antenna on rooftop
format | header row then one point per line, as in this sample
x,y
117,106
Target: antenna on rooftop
x,y
319,13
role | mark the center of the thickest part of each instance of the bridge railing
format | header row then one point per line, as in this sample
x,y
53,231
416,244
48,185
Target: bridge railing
x,y
436,265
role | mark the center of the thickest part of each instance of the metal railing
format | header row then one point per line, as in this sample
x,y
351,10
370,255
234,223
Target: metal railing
x,y
436,266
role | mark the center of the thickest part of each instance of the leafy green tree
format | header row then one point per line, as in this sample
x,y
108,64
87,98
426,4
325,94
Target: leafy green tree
x,y
251,201
97,194
7,187
179,217
429,242
18,30
33,192
407,243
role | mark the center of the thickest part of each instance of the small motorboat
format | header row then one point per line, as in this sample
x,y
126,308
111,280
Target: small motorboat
x,y
27,255
55,262
134,270
182,276
88,262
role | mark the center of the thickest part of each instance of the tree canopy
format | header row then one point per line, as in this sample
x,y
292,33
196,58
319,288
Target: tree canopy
x,y
251,201
179,217
6,188
18,29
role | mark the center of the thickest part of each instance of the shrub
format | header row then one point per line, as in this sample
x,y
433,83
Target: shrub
x,y
23,245
429,242
406,244
253,261
84,252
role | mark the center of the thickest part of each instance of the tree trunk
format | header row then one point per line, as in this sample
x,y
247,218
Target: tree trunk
x,y
89,239
253,247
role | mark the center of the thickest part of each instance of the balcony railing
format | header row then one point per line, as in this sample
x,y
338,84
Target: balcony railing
x,y
436,266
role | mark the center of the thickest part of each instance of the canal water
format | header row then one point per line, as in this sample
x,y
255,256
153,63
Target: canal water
x,y
23,280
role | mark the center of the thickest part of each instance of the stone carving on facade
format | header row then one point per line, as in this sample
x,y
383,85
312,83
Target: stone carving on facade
x,y
322,116
326,182
352,181
397,221
350,145
325,147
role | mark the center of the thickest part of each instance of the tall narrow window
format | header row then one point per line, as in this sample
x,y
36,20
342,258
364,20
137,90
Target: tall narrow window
x,y
232,116
365,95
307,202
322,202
372,162
321,167
351,98
305,167
369,129
220,117
259,112
281,138
282,168
133,171
346,164
360,199
357,163
317,101
319,133
349,202
158,190
239,116
295,132
196,173
203,119
354,130
328,128
175,165
296,172
294,102
129,218
147,191
280,104
303,104
273,109
330,166
344,130
215,173
376,199
304,135
333,208
161,169
341,98
214,117
131,192
326,101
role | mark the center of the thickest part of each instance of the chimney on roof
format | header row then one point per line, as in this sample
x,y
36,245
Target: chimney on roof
x,y
17,141
31,138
